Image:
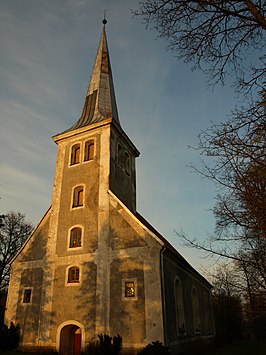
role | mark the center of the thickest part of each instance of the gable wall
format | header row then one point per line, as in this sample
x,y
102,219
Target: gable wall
x,y
28,315
27,272
36,246
135,256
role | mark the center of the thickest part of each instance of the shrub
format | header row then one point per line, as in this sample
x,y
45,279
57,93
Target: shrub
x,y
155,348
9,337
105,345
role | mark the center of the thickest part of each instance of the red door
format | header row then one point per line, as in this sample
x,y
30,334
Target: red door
x,y
77,344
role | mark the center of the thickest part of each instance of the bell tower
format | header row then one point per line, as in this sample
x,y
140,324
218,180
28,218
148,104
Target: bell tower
x,y
82,156
95,157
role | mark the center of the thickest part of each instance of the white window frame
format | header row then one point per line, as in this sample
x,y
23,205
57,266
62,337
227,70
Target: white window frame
x,y
69,235
84,149
70,154
72,197
73,284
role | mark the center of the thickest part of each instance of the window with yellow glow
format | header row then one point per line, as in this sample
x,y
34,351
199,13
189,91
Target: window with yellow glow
x,y
129,289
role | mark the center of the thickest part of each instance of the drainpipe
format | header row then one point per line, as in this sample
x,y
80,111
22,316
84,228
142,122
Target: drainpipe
x,y
163,294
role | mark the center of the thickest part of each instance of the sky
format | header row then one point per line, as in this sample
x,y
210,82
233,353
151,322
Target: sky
x,y
48,48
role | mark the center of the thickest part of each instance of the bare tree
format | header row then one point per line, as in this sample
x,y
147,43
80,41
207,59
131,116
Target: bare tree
x,y
239,296
238,168
227,303
233,157
14,230
220,38
217,36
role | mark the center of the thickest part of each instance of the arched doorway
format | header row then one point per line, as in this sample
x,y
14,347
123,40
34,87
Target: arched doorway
x,y
70,340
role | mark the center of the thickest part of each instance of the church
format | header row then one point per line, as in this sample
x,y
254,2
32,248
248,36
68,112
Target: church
x,y
93,265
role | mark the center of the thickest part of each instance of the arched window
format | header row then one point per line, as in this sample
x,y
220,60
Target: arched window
x,y
196,311
89,150
73,274
207,314
127,163
78,196
120,155
75,237
75,154
180,314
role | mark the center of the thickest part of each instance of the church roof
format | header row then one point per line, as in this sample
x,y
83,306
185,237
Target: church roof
x,y
100,102
169,247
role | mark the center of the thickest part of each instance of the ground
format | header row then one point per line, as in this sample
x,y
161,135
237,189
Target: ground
x,y
246,347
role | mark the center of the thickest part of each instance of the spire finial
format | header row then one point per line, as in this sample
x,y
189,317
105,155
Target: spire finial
x,y
104,21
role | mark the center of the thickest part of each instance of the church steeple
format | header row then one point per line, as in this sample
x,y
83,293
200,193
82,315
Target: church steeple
x,y
100,102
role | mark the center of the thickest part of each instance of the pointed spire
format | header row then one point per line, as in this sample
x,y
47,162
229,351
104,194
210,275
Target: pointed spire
x,y
100,102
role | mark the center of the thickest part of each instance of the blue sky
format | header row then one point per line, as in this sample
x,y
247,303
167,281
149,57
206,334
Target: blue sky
x,y
48,49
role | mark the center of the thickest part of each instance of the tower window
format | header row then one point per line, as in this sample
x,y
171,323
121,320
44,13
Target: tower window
x,y
27,295
78,195
89,150
73,274
75,154
75,237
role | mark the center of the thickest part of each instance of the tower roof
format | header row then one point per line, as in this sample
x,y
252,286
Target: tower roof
x,y
100,102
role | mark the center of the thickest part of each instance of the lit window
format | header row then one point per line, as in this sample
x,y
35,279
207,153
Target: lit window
x,y
77,197
75,154
89,151
73,275
27,296
129,289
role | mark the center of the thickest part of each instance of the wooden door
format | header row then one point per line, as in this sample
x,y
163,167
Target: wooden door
x,y
77,344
